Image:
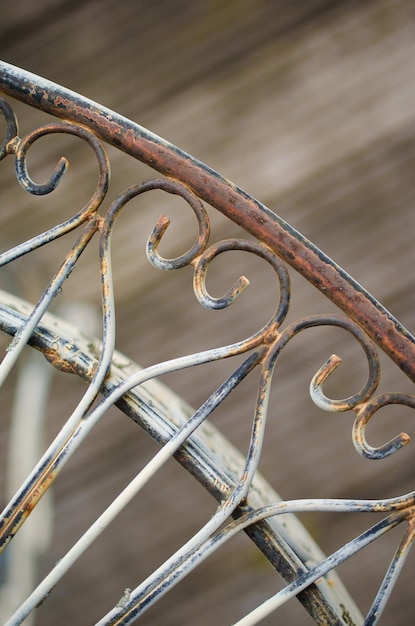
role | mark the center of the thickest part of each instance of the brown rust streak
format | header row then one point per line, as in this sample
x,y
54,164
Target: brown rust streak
x,y
223,195
68,364
19,515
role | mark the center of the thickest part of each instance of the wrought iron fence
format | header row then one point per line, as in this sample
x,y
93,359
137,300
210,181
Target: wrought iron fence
x,y
245,501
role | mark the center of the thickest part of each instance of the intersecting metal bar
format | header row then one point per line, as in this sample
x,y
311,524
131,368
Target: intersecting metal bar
x,y
242,504
384,329
159,411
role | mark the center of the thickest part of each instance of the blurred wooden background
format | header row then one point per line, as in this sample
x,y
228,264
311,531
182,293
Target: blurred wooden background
x,y
309,106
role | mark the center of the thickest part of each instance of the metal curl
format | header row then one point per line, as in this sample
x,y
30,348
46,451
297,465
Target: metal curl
x,y
316,385
173,187
89,209
9,144
42,189
153,242
364,414
202,265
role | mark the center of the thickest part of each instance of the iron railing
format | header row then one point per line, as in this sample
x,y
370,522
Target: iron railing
x,y
246,501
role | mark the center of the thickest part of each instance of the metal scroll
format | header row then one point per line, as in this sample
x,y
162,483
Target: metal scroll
x,y
232,479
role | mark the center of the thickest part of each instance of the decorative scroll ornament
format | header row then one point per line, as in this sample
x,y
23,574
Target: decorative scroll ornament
x,y
237,509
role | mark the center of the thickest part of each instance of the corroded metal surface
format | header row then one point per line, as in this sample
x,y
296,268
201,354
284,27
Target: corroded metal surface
x,y
220,193
245,501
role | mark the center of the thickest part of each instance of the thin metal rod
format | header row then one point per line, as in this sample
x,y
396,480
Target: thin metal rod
x,y
131,490
390,578
385,330
323,568
166,576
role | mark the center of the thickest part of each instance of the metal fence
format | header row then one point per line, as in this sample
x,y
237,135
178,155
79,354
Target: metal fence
x,y
245,501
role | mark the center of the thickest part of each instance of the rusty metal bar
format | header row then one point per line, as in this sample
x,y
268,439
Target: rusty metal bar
x,y
384,329
201,454
245,501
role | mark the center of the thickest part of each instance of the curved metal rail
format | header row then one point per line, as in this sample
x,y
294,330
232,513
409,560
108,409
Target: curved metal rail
x,y
245,500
